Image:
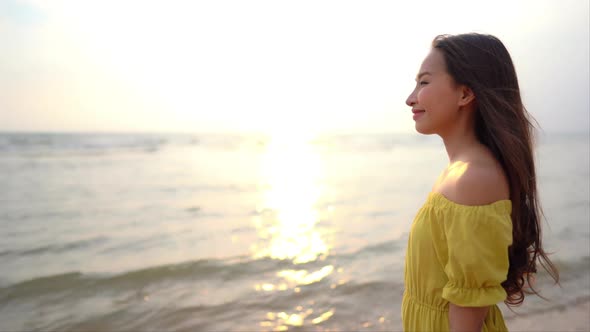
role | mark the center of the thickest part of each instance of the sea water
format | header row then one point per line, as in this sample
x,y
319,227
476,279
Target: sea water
x,y
220,232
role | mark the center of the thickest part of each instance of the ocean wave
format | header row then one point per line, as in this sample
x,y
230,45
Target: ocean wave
x,y
248,309
225,270
56,248
207,269
551,307
386,247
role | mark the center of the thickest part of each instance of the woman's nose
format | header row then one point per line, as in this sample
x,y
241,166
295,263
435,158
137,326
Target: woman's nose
x,y
411,101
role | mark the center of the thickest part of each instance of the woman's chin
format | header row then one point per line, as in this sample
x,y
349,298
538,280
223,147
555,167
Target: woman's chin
x,y
424,131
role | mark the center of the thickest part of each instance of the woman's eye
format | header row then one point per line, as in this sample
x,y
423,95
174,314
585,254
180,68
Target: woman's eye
x,y
423,82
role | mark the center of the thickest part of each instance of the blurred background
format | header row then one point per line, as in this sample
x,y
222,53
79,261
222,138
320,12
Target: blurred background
x,y
252,166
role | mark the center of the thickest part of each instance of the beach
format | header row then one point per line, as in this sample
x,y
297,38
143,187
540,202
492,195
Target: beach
x,y
233,232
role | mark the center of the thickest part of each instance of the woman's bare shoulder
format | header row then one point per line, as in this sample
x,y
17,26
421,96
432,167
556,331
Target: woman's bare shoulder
x,y
476,183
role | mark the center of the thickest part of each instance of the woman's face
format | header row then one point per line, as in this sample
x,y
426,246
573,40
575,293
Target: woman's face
x,y
436,98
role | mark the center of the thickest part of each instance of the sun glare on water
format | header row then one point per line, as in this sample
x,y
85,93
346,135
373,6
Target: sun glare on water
x,y
287,225
291,170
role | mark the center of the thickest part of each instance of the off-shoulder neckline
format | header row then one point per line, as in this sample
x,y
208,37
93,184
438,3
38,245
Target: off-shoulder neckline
x,y
502,204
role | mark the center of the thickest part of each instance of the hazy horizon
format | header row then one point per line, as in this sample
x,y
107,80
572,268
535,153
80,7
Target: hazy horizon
x,y
267,67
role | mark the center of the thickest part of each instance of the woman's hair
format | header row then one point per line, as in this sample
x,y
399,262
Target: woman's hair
x,y
482,63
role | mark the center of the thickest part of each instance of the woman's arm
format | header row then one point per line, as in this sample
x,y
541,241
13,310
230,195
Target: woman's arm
x,y
466,319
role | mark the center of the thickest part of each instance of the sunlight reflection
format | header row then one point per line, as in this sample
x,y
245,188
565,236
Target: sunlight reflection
x,y
291,170
286,223
323,317
301,277
280,321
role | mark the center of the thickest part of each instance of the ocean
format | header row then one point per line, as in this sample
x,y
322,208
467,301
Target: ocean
x,y
241,232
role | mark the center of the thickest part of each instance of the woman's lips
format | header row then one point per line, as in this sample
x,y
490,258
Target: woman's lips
x,y
417,113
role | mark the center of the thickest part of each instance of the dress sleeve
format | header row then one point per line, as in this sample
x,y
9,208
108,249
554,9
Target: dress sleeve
x,y
477,239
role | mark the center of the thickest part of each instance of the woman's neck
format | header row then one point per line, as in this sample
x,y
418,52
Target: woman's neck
x,y
458,143
460,139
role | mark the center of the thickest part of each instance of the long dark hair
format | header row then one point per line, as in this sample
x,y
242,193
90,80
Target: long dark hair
x,y
482,63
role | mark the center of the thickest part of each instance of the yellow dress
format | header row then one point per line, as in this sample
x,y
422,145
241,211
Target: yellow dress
x,y
456,253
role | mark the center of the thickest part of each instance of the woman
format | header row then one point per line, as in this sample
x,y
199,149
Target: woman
x,y
477,239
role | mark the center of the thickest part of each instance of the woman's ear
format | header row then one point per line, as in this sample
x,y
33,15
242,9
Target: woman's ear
x,y
467,96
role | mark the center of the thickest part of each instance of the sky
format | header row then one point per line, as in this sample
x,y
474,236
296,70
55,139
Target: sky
x,y
268,66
